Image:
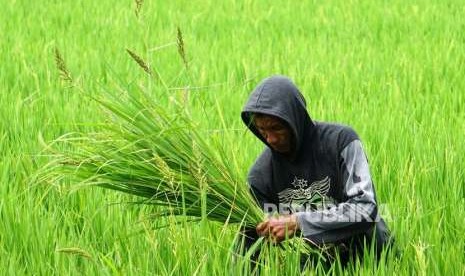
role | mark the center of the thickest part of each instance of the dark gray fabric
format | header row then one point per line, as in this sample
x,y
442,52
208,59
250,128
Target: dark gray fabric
x,y
327,174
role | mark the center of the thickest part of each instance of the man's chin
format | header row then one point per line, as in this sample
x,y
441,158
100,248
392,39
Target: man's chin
x,y
281,150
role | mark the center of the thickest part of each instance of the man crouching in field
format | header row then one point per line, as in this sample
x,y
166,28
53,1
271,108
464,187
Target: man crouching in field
x,y
314,175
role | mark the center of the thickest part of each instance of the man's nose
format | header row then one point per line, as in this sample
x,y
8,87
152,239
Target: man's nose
x,y
271,138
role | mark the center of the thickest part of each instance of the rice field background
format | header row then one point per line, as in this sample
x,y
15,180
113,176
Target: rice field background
x,y
394,70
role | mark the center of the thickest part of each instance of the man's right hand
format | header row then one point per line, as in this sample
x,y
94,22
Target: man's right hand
x,y
279,228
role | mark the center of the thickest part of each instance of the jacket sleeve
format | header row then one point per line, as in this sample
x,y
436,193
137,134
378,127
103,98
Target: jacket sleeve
x,y
258,177
256,189
354,216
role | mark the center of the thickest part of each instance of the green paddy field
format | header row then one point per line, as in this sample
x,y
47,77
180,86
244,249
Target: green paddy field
x,y
393,70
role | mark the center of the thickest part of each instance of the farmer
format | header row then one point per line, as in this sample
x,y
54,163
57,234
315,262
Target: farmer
x,y
313,175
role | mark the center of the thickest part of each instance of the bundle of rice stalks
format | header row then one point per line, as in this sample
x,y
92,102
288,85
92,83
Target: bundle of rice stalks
x,y
156,153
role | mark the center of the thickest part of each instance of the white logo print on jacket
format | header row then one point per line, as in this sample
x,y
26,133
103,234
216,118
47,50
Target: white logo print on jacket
x,y
302,193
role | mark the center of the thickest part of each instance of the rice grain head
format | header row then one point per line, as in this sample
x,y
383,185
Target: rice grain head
x,y
138,7
61,66
144,65
181,48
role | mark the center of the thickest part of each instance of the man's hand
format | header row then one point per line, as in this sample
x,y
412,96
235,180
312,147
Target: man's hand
x,y
278,228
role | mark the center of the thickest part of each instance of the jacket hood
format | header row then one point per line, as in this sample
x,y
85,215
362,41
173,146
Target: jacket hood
x,y
278,96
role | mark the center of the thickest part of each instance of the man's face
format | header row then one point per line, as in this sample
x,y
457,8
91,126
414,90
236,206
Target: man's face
x,y
276,133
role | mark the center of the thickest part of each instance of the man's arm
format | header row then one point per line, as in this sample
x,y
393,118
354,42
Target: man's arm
x,y
354,216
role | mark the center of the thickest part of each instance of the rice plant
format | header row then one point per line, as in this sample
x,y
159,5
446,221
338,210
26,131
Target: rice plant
x,y
391,69
158,154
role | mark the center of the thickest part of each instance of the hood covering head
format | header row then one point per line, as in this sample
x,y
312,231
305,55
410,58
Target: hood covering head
x,y
278,96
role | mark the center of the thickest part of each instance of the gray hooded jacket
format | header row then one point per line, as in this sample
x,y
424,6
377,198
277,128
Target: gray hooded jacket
x,y
326,183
